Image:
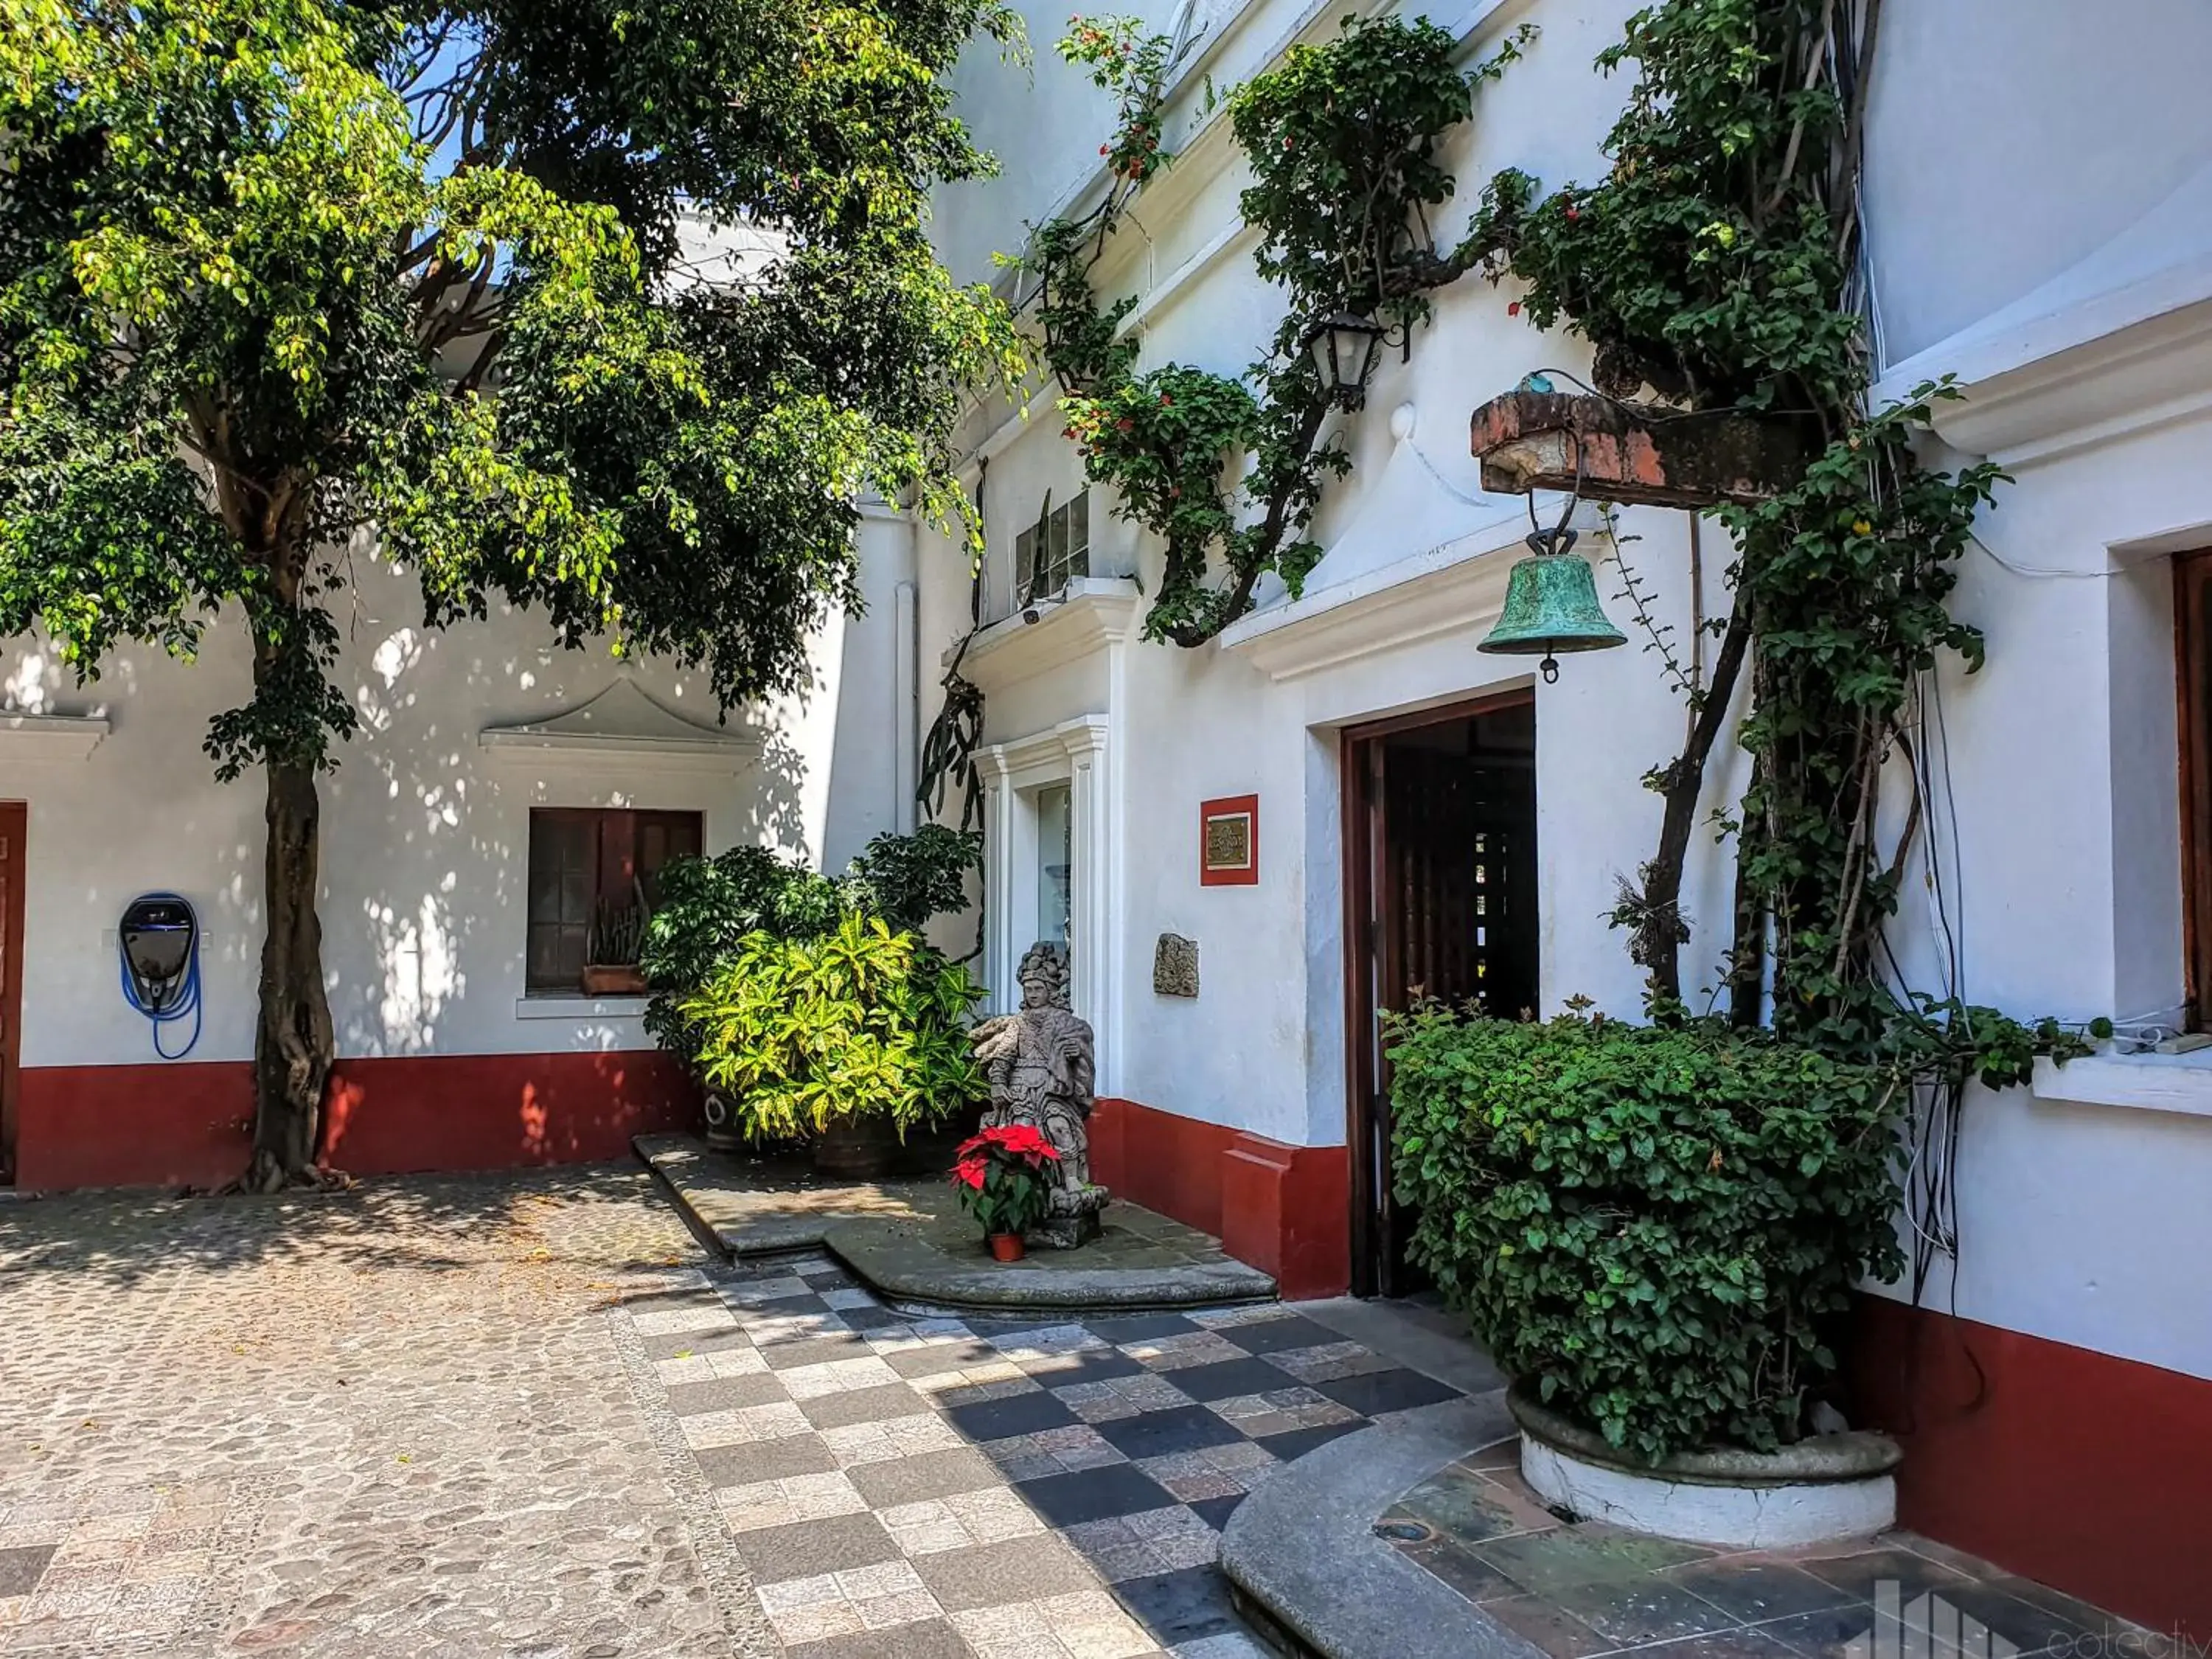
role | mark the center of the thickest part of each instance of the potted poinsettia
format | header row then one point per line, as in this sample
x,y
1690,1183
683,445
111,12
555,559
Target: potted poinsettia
x,y
1003,1179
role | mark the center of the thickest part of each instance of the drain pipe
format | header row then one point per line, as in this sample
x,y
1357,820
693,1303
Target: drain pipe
x,y
906,689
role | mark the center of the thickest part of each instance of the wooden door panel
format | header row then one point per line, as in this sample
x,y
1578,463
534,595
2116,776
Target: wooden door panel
x,y
1440,897
14,824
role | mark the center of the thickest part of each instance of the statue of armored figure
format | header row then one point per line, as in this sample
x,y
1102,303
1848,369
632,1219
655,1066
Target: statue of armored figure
x,y
1040,1064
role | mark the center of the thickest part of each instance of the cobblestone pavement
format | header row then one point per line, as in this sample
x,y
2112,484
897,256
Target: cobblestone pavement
x,y
528,1415
393,1422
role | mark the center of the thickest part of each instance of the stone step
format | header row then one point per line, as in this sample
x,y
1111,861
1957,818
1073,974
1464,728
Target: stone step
x,y
908,1239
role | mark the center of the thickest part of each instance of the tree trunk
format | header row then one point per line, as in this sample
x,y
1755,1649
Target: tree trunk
x,y
1661,929
294,1044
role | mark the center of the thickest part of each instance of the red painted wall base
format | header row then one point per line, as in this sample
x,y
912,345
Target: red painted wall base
x,y
2084,1471
188,1124
1286,1210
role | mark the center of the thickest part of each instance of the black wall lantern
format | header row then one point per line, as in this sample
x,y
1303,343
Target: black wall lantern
x,y
1344,345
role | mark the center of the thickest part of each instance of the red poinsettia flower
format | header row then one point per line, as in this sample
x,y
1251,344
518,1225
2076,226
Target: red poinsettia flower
x,y
1021,1140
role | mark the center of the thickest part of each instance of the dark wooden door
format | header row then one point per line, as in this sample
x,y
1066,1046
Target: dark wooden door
x,y
1441,905
13,817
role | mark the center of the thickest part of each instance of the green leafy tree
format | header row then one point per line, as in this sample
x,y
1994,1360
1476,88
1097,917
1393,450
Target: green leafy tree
x,y
282,281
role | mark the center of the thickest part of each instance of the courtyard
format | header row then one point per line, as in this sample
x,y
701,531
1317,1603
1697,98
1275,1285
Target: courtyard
x,y
531,1415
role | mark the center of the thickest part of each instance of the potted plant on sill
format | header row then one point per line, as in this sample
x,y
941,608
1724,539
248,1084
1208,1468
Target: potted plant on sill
x,y
1003,1181
617,936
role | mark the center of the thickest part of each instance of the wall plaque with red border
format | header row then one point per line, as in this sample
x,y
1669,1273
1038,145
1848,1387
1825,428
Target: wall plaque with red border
x,y
1228,841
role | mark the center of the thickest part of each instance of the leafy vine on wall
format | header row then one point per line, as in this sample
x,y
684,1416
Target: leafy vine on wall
x,y
1342,140
1716,267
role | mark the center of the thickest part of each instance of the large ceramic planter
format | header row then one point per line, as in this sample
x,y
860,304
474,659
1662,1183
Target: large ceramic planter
x,y
857,1148
1833,1485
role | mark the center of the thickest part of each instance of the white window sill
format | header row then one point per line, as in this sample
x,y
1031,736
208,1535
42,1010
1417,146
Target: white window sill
x,y
2149,1083
564,1007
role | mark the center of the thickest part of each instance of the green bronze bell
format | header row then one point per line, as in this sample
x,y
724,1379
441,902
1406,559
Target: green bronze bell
x,y
1551,606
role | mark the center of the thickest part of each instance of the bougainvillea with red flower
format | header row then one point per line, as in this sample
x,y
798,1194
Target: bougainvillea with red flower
x,y
1003,1177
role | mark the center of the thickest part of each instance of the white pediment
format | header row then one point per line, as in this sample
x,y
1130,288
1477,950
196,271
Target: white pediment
x,y
1458,587
625,722
38,737
2120,342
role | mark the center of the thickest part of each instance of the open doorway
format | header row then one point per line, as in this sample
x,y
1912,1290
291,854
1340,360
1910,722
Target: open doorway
x,y
1440,897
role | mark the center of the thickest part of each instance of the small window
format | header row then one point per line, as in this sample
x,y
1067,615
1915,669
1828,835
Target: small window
x,y
2193,614
586,865
1055,827
1051,552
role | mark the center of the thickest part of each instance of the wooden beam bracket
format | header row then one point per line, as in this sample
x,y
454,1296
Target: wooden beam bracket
x,y
1635,455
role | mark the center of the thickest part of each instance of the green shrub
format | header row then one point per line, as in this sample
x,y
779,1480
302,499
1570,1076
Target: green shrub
x,y
1651,1227
799,1033
908,879
707,906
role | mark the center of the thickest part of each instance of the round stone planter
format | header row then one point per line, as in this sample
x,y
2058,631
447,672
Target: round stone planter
x,y
856,1148
1833,1485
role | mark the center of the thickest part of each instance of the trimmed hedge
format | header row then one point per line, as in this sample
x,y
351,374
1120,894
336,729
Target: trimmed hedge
x,y
1651,1227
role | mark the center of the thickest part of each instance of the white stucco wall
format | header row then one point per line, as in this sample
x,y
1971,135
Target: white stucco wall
x,y
2009,139
2015,161
425,832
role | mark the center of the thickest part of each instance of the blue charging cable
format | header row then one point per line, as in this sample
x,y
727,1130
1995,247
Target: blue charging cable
x,y
188,995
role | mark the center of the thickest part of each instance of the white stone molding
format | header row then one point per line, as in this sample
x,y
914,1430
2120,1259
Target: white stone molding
x,y
2119,344
1455,588
626,724
1095,612
2149,1083
628,1012
27,737
1078,753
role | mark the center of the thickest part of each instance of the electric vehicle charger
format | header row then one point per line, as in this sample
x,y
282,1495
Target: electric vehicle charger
x,y
158,942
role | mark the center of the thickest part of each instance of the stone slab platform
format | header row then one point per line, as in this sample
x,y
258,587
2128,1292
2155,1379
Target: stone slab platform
x,y
765,1206
907,1238
1419,1540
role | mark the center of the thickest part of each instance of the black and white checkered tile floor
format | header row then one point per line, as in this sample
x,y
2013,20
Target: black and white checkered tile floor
x,y
1000,1489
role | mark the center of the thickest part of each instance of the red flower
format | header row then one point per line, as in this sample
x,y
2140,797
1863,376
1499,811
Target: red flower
x,y
1573,214
1019,1137
1513,310
1019,1140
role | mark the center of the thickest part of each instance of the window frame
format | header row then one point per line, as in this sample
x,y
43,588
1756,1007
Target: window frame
x,y
1045,573
614,865
2192,621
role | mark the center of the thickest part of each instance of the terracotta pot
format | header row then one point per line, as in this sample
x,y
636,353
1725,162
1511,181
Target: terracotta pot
x,y
613,981
857,1148
1008,1246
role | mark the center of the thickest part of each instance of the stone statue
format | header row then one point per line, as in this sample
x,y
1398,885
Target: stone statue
x,y
1040,1065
